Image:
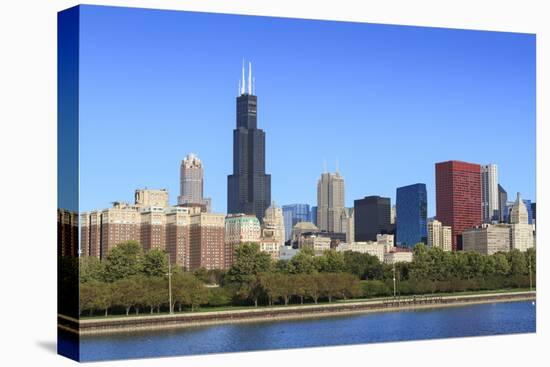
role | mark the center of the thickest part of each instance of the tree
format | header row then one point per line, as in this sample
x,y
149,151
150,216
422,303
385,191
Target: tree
x,y
155,263
518,263
249,263
299,284
303,262
155,292
123,261
90,269
128,292
314,286
333,262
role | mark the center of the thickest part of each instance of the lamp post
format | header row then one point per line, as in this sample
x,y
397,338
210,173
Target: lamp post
x,y
169,274
394,280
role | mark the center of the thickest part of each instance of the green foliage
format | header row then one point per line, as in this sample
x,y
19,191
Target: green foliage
x,y
128,292
218,296
249,262
90,269
155,263
123,261
303,262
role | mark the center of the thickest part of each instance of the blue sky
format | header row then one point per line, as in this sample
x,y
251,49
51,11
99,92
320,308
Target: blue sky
x,y
386,102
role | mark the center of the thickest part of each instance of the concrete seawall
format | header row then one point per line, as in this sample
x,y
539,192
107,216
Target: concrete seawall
x,y
161,322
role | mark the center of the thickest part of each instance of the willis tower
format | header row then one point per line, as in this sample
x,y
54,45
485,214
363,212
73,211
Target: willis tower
x,y
248,188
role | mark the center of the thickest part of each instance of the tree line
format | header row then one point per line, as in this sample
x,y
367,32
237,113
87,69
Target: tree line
x,y
130,280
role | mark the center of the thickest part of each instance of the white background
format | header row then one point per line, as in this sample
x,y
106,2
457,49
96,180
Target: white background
x,y
28,181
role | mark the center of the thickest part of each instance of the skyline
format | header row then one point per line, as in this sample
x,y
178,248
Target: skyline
x,y
496,91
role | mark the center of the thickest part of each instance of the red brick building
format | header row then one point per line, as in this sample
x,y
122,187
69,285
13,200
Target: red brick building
x,y
458,197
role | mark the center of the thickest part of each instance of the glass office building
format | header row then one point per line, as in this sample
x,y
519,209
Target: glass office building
x,y
411,215
295,213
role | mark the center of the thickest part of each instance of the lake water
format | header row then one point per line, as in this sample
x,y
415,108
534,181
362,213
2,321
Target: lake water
x,y
474,320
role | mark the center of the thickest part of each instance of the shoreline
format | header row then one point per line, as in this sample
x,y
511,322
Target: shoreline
x,y
91,327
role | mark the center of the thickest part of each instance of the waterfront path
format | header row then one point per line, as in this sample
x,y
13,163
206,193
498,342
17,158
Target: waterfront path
x,y
103,325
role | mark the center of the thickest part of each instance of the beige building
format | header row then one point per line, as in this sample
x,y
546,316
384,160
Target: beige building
x,y
398,257
369,247
151,198
301,228
119,223
273,231
192,182
521,232
239,229
348,224
386,240
439,235
318,244
152,228
487,239
330,202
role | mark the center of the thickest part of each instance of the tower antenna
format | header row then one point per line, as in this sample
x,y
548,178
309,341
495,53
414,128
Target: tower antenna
x,y
242,84
249,78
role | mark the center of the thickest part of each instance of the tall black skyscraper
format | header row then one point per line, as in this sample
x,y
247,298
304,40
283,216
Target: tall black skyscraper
x,y
248,188
372,217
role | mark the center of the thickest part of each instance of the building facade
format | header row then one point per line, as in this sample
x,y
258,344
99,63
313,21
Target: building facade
x,y
411,215
458,197
207,241
151,197
348,224
487,239
522,237
502,200
439,235
330,202
239,229
248,187
295,213
372,216
192,182
490,193
273,231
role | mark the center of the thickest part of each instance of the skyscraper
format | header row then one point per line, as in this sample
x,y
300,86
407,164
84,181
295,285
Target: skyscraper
x,y
372,217
411,214
330,202
489,193
249,187
502,199
295,213
192,182
458,197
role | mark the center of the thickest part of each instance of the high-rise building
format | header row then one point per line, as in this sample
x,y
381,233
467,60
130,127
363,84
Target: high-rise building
x,y
152,228
207,241
393,214
249,187
314,215
458,197
121,223
150,197
330,202
487,239
273,231
521,231
372,217
502,200
192,182
295,213
348,224
412,213
439,235
178,220
67,234
489,193
239,229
